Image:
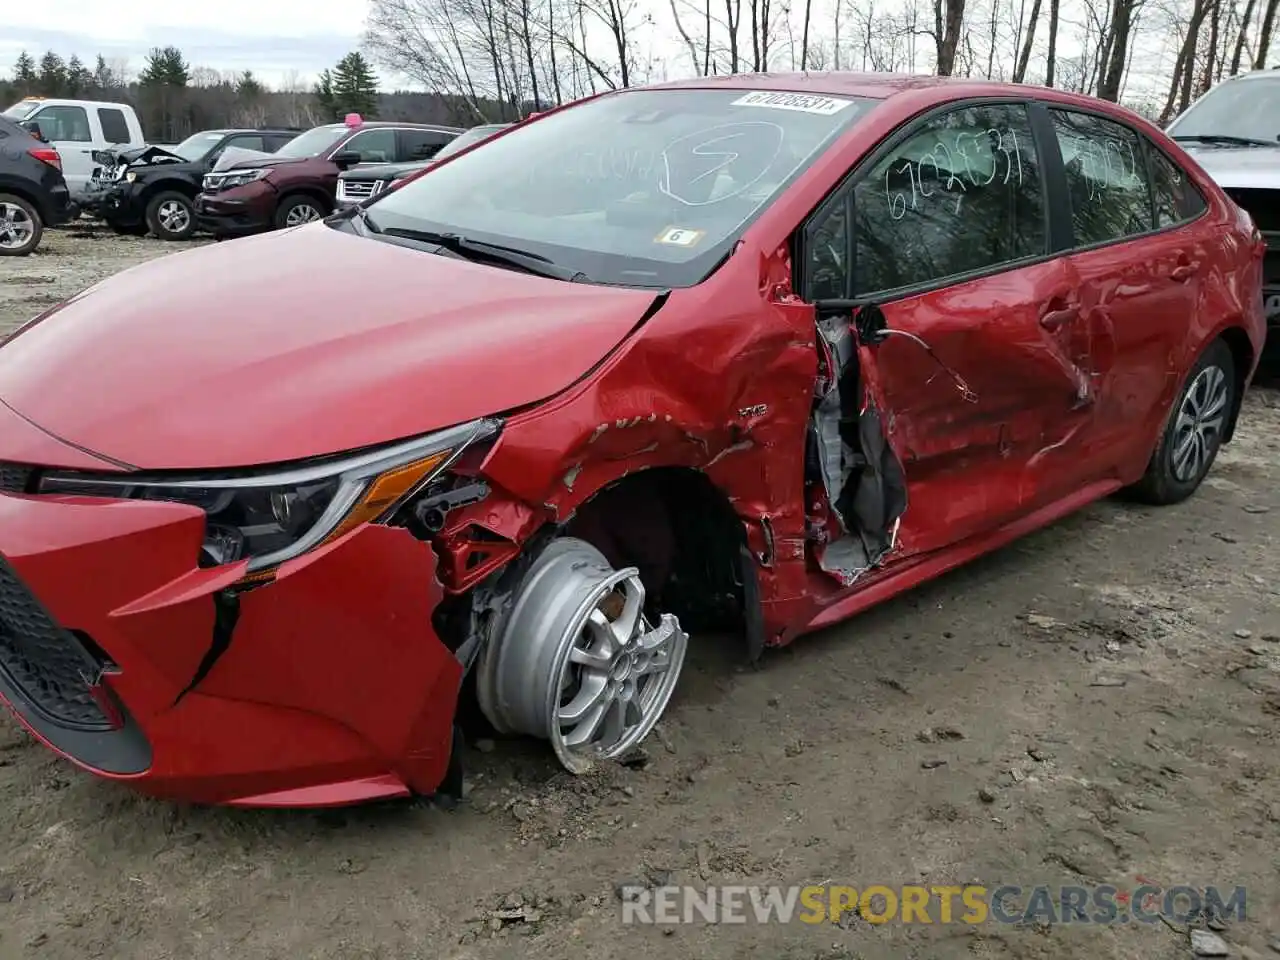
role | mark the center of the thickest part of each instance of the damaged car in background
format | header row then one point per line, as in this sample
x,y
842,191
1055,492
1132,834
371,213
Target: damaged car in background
x,y
749,353
153,189
1233,132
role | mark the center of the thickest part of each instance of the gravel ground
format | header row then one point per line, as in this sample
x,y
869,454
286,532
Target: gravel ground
x,y
1099,702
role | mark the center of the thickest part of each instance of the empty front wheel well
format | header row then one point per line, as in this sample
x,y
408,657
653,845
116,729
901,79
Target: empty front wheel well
x,y
680,531
1242,353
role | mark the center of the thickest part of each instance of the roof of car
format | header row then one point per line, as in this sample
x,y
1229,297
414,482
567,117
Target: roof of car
x,y
405,125
875,86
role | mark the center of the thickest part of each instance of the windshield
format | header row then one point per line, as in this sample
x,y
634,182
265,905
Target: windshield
x,y
467,138
313,142
1246,108
644,188
22,109
197,145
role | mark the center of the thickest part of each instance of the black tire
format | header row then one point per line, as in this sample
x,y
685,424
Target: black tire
x,y
1189,444
28,217
129,230
171,215
289,206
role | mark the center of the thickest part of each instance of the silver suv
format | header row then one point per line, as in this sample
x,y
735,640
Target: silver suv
x,y
1233,131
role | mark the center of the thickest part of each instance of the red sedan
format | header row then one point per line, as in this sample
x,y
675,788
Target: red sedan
x,y
757,351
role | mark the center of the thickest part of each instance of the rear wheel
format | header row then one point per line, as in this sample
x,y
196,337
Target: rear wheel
x,y
20,226
296,210
171,215
1193,434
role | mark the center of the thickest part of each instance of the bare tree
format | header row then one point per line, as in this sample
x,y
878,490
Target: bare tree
x,y
1024,58
1242,37
1265,34
1116,46
948,22
1051,58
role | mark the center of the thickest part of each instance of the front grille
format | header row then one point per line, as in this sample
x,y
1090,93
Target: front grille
x,y
43,661
15,477
358,189
1264,207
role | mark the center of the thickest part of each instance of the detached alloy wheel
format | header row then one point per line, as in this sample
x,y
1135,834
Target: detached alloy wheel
x,y
576,661
1193,434
20,226
171,216
295,211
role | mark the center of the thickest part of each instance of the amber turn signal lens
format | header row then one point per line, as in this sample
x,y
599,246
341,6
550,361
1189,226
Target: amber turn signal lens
x,y
385,492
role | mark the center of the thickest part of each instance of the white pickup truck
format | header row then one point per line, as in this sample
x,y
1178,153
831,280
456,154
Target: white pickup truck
x,y
76,128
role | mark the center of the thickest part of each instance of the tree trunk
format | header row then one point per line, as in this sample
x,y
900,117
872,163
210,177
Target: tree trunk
x,y
1264,38
1211,58
1242,37
948,19
804,37
1052,60
1024,58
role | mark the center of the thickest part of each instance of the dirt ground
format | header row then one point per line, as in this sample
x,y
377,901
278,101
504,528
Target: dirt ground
x,y
1099,702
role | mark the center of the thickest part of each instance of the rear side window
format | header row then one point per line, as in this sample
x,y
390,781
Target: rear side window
x,y
1176,197
962,194
115,129
1106,178
421,144
247,143
64,123
374,146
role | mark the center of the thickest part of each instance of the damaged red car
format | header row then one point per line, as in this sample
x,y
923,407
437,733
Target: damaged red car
x,y
772,350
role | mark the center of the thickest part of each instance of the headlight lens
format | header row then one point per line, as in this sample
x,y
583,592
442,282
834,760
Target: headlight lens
x,y
239,178
272,517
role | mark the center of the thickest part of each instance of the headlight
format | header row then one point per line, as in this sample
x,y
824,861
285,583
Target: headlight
x,y
271,517
239,178
130,176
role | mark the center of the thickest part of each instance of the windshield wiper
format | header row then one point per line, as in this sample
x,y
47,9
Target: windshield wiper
x,y
479,250
1229,141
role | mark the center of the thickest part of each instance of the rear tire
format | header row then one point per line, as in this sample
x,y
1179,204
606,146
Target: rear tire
x,y
1193,433
171,215
20,226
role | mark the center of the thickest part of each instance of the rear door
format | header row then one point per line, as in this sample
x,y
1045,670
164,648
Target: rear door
x,y
68,127
1140,273
960,335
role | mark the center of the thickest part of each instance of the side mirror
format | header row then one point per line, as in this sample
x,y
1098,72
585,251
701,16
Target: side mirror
x,y
33,128
346,158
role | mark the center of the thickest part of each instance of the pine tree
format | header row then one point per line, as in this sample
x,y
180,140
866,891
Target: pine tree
x,y
53,75
166,67
79,79
324,96
103,76
355,87
248,87
25,78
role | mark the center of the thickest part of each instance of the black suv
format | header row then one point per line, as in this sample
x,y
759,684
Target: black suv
x,y
154,189
33,192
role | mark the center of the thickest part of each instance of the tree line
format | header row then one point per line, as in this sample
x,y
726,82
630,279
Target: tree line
x,y
512,52
174,99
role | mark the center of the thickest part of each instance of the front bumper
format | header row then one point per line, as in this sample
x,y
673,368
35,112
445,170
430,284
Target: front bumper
x,y
241,210
119,204
332,687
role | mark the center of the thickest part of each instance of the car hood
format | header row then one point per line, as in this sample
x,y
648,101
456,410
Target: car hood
x,y
1240,168
300,343
385,171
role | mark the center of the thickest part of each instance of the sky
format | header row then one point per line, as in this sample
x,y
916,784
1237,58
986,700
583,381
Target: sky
x,y
271,38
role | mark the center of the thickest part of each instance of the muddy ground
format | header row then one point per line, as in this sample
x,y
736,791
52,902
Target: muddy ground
x,y
1099,702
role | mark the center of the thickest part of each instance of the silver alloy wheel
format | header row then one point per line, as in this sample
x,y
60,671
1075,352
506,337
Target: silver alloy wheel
x,y
1198,428
576,661
174,216
16,227
302,213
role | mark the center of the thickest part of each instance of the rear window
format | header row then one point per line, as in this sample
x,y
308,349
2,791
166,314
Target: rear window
x,y
115,129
